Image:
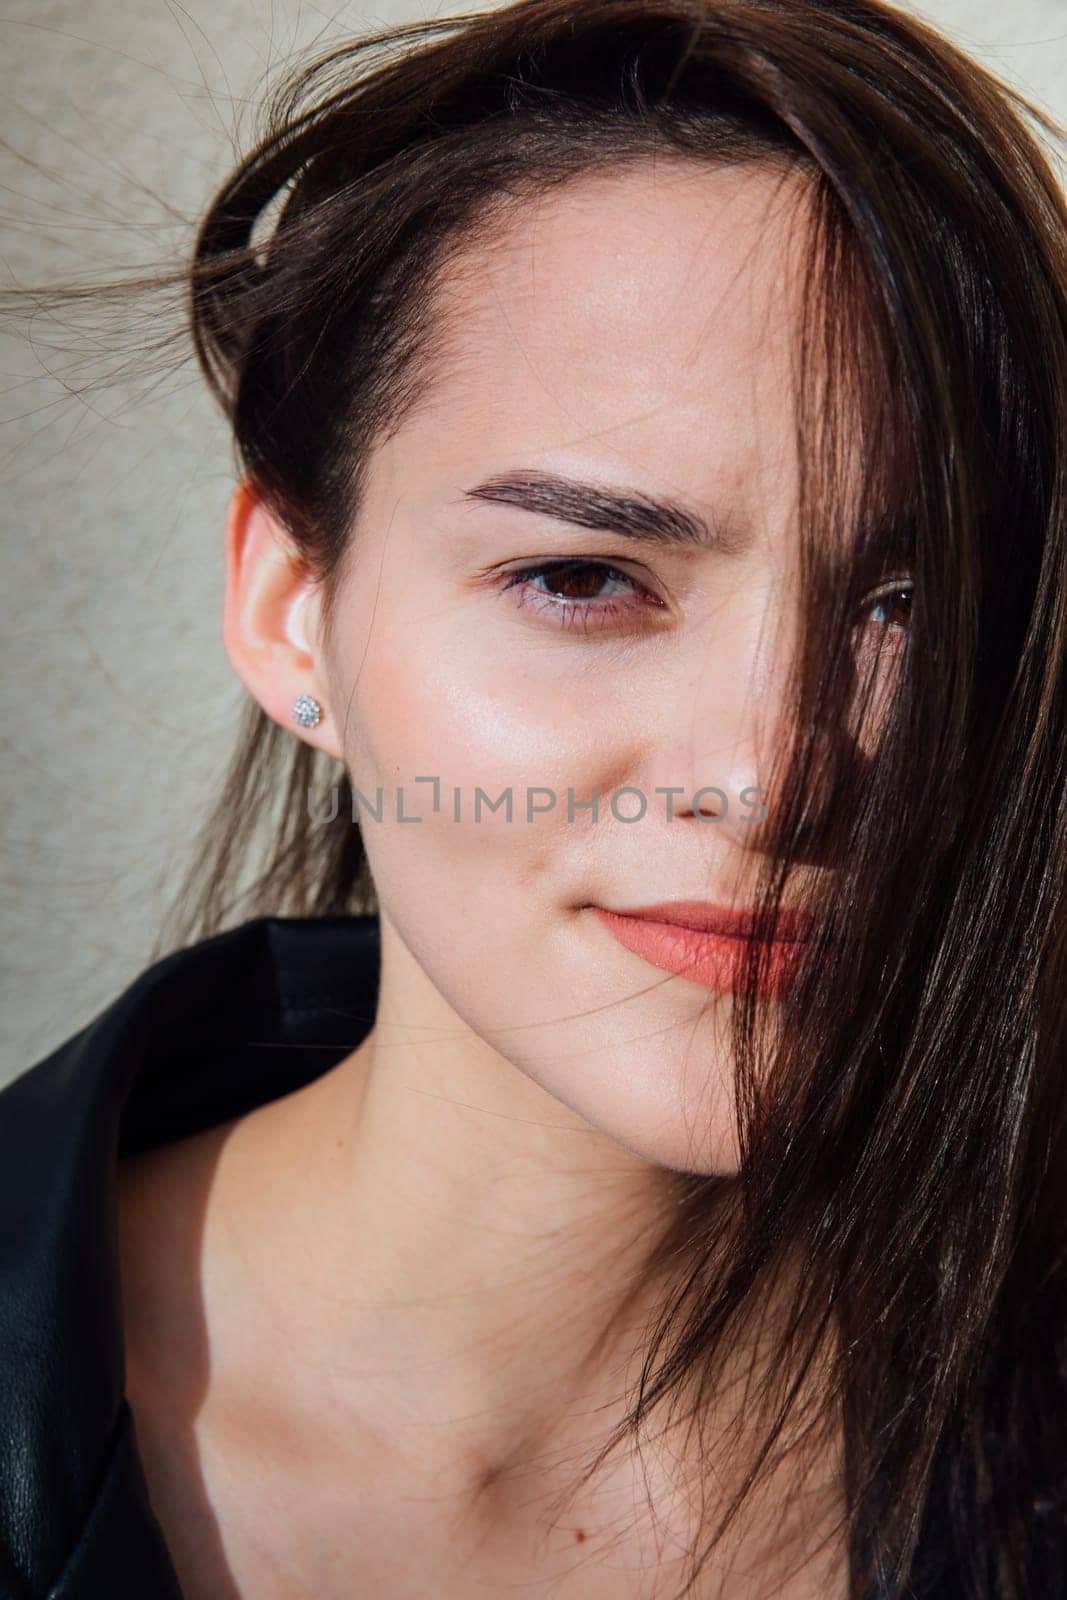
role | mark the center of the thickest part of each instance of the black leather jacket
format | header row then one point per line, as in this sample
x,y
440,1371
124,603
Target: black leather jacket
x,y
201,1036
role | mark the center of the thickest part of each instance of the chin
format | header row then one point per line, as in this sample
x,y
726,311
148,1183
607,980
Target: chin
x,y
672,1108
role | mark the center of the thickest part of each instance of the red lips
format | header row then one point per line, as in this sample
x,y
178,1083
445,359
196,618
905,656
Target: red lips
x,y
707,943
728,922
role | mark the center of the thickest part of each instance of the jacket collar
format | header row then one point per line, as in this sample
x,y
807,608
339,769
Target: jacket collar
x,y
201,1036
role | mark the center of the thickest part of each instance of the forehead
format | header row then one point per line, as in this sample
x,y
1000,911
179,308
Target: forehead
x,y
642,320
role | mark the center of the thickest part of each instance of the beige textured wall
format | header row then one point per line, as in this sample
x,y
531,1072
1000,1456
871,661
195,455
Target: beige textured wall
x,y
119,117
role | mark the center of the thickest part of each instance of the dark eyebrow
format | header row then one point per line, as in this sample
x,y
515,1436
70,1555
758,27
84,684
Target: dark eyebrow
x,y
631,513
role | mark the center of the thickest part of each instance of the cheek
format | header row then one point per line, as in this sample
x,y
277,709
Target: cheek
x,y
877,672
460,703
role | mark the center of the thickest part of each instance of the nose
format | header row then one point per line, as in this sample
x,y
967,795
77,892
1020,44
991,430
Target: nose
x,y
728,730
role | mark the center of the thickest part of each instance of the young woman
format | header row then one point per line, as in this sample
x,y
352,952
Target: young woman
x,y
609,1140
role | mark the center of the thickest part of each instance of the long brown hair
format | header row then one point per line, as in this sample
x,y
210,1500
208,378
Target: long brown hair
x,y
900,1133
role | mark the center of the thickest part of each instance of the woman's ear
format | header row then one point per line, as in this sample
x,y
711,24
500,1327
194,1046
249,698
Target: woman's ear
x,y
271,618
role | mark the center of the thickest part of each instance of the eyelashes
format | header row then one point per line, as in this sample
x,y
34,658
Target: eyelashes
x,y
578,591
549,587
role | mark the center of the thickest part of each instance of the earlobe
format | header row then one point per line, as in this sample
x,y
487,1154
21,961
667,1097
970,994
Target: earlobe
x,y
269,622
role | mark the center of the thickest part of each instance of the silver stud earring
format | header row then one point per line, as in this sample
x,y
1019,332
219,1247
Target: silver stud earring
x,y
307,711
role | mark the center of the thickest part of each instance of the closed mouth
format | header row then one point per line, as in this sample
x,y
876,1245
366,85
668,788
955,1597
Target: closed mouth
x,y
728,922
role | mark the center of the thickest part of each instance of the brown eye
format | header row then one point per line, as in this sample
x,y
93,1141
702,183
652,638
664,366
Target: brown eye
x,y
576,580
892,607
579,591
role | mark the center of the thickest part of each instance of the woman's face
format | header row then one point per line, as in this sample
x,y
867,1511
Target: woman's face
x,y
627,342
